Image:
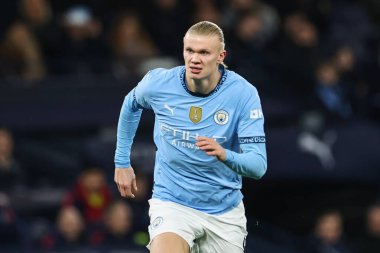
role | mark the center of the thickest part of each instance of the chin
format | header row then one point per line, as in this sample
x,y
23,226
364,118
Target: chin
x,y
193,75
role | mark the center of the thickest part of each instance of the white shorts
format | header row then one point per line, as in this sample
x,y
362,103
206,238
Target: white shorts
x,y
205,233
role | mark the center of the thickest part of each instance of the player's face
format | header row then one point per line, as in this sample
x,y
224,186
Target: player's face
x,y
202,55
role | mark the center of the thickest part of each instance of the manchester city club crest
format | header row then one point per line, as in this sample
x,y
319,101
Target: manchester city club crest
x,y
157,222
195,114
221,117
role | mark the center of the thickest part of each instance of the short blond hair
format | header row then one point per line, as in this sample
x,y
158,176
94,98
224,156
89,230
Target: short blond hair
x,y
209,29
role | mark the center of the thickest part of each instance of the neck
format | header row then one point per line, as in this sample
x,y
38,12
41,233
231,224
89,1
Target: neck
x,y
205,85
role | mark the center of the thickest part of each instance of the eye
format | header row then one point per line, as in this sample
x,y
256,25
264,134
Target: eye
x,y
204,53
189,50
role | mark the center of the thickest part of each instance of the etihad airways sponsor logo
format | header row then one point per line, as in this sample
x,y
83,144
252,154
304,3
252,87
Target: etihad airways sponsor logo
x,y
185,139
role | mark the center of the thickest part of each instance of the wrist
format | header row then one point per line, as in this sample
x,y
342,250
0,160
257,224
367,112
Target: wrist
x,y
229,155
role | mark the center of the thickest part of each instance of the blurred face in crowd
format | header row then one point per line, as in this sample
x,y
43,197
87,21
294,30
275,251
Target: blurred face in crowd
x,y
127,31
344,59
166,4
119,218
302,32
373,220
249,26
202,55
18,36
70,223
36,11
92,180
329,228
207,11
129,27
6,144
327,74
242,4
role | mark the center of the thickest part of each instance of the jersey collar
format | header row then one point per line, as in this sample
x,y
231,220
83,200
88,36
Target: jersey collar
x,y
223,72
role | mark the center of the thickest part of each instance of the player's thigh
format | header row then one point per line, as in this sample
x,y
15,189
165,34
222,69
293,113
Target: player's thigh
x,y
230,226
169,243
170,221
225,233
216,244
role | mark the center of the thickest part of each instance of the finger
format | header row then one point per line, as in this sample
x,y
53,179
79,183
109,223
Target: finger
x,y
207,147
211,153
134,184
128,192
202,143
121,190
118,185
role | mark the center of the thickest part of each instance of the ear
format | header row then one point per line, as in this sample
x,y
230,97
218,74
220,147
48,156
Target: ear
x,y
222,55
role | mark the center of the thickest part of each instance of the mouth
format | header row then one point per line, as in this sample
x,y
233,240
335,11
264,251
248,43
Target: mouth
x,y
195,70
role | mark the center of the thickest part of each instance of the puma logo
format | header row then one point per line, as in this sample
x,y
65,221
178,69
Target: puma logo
x,y
170,109
321,148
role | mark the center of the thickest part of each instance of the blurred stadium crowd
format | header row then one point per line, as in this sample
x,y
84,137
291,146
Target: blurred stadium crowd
x,y
66,65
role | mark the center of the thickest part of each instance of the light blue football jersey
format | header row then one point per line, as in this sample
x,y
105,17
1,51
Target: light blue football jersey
x,y
231,114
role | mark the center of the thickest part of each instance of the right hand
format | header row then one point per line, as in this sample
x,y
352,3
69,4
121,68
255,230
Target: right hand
x,y
125,180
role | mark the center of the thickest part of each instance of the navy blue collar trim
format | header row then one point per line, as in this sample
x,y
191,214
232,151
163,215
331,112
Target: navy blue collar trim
x,y
221,81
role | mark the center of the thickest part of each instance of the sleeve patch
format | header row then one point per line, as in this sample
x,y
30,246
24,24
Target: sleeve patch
x,y
256,114
252,139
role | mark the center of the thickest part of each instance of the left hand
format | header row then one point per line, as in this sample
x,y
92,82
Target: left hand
x,y
211,147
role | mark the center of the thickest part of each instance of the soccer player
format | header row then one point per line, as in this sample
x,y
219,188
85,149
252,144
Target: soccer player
x,y
209,133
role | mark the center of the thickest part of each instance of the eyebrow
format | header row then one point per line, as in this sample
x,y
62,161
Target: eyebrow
x,y
200,50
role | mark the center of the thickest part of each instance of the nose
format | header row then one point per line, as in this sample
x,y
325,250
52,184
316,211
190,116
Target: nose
x,y
195,58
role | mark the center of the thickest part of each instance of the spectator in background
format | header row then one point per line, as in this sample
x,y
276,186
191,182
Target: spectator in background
x,y
83,50
327,108
11,172
166,21
332,102
119,223
370,241
331,93
248,47
91,195
267,15
327,235
20,54
345,62
10,235
38,17
118,232
207,10
130,45
350,24
298,51
232,11
68,233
